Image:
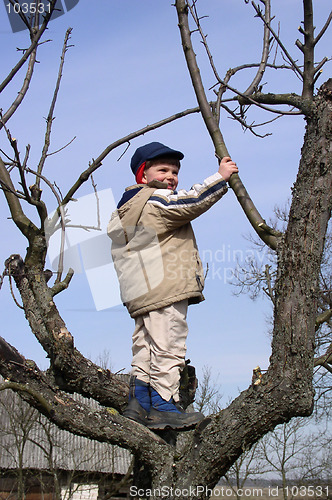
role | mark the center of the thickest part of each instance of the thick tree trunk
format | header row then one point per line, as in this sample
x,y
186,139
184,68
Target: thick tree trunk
x,y
286,389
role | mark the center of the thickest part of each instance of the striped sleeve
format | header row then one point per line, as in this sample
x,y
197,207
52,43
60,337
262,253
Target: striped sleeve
x,y
184,206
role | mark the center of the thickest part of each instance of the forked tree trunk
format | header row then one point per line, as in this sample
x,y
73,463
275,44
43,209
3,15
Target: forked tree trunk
x,y
285,391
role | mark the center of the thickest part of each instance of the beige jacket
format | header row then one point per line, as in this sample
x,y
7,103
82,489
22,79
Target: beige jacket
x,y
153,244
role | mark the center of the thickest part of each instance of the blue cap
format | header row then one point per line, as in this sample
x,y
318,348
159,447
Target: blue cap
x,y
151,151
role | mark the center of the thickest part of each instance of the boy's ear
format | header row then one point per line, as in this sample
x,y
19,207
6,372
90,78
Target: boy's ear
x,y
144,179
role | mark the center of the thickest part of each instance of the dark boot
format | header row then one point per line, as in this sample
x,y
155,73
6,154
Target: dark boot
x,y
166,414
139,401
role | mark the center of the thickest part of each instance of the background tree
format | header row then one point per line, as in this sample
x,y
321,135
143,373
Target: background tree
x,y
15,431
208,398
286,389
30,443
249,466
282,449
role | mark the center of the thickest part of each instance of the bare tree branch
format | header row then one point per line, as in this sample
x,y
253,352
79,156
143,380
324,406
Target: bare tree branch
x,y
12,292
73,416
265,53
235,182
326,25
62,220
242,121
22,15
21,94
308,51
21,220
50,118
35,34
59,286
95,164
281,45
323,318
291,99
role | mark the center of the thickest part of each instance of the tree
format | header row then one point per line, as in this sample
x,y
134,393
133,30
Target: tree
x,y
208,396
247,467
295,454
20,420
31,443
285,389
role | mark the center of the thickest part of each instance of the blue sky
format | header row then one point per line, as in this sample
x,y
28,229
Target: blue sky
x,y
127,70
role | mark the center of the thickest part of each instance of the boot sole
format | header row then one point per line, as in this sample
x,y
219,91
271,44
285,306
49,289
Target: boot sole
x,y
133,415
172,425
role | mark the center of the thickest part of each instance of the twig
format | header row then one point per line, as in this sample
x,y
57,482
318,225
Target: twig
x,y
62,285
323,318
63,147
233,71
94,185
62,222
224,82
13,144
276,37
125,151
5,187
12,290
25,388
11,160
22,15
265,52
32,47
327,367
50,118
86,228
95,164
22,92
326,25
242,121
2,277
269,290
25,161
115,488
35,192
321,64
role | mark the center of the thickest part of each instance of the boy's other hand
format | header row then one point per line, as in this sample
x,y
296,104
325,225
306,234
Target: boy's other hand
x,y
227,167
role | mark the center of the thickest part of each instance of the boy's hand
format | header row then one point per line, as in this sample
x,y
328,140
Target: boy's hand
x,y
227,167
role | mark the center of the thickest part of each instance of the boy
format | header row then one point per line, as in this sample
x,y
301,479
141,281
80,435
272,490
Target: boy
x,y
160,274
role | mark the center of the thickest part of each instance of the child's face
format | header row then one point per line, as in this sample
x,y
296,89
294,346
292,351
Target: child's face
x,y
162,172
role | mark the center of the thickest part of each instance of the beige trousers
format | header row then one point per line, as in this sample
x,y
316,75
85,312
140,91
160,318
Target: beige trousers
x,y
159,348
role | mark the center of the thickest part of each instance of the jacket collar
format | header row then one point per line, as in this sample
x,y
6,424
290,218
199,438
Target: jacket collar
x,y
154,184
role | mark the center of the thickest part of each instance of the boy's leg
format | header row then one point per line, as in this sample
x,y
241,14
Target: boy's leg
x,y
139,392
159,348
162,335
168,332
141,351
139,401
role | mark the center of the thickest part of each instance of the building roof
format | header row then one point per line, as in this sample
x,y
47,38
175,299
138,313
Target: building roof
x,y
25,432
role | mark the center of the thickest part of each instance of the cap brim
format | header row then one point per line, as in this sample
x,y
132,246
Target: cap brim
x,y
165,151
